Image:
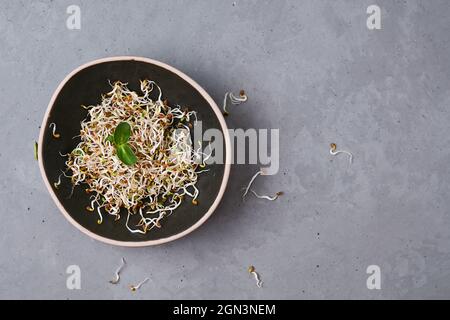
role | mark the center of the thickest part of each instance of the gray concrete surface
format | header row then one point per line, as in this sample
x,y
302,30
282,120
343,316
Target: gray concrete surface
x,y
312,69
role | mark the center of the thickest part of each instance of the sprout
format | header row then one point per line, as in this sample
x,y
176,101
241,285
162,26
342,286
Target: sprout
x,y
252,270
273,198
117,273
233,99
55,135
334,152
57,183
251,182
133,288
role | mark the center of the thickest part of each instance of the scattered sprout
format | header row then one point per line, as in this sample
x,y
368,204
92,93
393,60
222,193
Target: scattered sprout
x,y
252,271
57,183
133,288
273,198
55,135
334,152
235,100
250,183
117,273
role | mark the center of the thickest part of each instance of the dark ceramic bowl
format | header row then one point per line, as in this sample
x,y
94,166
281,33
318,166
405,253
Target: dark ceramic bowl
x,y
84,86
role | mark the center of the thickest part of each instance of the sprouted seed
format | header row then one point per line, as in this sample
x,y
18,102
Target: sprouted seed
x,y
166,167
55,135
252,271
334,151
250,183
117,273
133,288
36,150
57,183
235,100
273,198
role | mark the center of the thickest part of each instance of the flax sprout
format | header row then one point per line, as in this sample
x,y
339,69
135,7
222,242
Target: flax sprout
x,y
57,183
273,198
250,183
252,271
117,273
335,152
136,287
234,100
55,135
165,171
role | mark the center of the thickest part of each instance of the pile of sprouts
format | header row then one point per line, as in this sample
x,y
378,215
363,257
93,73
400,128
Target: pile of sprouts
x,y
167,166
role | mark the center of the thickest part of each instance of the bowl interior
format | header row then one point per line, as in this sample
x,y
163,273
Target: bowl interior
x,y
85,88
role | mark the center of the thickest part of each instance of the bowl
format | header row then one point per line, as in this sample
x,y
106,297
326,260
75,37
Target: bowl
x,y
84,86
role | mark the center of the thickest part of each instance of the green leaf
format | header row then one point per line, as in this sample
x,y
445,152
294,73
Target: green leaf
x,y
126,154
122,133
110,138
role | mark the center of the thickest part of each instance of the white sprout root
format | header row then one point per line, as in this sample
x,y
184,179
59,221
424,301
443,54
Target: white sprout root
x,y
270,198
117,273
57,183
334,152
166,168
136,287
235,100
55,135
250,183
252,271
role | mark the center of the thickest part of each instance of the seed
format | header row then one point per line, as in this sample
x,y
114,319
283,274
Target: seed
x,y
88,208
251,269
194,202
333,146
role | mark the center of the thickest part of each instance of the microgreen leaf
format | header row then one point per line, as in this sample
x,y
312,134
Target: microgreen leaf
x,y
126,154
122,133
110,138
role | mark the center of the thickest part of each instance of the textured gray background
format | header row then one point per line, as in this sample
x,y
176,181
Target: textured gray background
x,y
312,69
